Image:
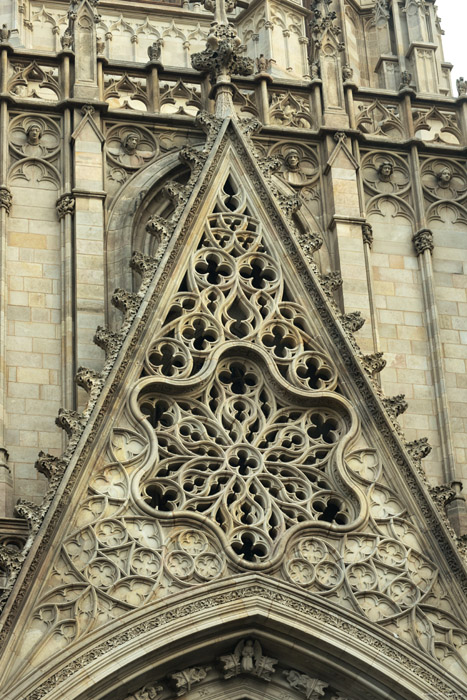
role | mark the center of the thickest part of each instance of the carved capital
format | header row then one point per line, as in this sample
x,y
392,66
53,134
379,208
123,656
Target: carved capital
x,y
367,234
5,198
186,679
65,205
423,240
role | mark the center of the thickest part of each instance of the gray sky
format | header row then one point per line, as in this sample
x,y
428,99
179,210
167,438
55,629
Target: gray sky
x,y
453,14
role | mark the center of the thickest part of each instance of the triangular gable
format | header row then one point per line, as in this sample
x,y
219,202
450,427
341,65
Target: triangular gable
x,y
238,432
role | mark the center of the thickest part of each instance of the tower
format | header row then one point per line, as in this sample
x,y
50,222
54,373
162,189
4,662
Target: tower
x,y
257,213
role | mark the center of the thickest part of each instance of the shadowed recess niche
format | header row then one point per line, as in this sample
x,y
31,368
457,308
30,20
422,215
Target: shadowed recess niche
x,y
249,427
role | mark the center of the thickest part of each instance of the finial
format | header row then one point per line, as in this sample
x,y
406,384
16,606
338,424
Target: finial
x,y
222,58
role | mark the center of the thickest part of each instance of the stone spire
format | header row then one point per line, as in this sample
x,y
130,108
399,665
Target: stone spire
x,y
222,58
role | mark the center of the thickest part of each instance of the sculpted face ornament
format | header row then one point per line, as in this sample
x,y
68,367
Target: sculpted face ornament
x,y
130,143
444,177
292,159
385,171
34,134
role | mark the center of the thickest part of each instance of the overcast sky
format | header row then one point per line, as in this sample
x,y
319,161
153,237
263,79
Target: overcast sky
x,y
453,14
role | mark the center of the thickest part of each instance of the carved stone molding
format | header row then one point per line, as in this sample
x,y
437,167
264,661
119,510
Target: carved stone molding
x,y
423,240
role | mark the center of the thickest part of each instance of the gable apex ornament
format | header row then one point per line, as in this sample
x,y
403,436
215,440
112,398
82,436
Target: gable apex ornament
x,y
221,59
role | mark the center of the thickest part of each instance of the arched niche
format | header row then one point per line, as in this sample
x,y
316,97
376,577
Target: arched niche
x,y
353,657
140,198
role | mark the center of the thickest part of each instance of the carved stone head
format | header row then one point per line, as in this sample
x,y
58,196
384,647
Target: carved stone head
x,y
34,134
130,143
444,176
385,171
292,159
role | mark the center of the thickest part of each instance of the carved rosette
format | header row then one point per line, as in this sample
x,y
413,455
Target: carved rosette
x,y
423,240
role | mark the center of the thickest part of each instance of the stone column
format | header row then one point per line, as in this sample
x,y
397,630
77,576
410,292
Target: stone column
x,y
345,223
89,251
6,481
457,509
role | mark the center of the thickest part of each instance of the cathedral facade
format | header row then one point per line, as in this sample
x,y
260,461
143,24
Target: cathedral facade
x,y
233,398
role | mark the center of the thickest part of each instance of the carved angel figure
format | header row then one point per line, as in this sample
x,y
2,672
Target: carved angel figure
x,y
248,658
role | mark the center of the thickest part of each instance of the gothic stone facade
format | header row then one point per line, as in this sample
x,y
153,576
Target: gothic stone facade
x,y
234,325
